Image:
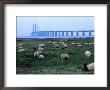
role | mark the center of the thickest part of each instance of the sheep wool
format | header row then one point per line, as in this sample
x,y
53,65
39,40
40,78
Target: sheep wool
x,y
64,56
90,67
36,54
87,53
41,56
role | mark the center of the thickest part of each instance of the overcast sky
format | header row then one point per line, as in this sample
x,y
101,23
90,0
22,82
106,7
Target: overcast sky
x,y
64,23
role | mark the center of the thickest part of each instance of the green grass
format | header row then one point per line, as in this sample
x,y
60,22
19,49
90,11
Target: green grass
x,y
51,64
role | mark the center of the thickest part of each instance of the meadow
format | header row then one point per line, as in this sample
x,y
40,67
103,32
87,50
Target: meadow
x,y
26,63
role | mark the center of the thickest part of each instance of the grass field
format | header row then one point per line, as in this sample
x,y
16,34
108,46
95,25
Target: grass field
x,y
51,64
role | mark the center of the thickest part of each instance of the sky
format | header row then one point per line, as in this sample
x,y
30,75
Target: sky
x,y
53,23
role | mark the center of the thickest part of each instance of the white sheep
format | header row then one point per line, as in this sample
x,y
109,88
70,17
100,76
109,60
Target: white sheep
x,y
79,45
41,56
87,53
85,43
73,43
36,54
50,42
64,57
90,43
90,67
56,45
54,42
22,49
62,42
20,44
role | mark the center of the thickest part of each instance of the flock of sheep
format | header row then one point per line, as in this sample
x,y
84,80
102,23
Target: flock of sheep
x,y
39,52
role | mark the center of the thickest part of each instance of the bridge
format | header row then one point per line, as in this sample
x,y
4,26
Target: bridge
x,y
61,34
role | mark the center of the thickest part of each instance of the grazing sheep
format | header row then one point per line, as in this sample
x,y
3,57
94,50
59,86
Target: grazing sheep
x,y
79,45
85,43
73,43
88,67
87,53
54,42
20,44
61,42
64,57
56,45
36,54
90,43
40,56
50,42
22,49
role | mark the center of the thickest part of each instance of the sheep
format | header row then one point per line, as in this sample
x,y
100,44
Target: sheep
x,y
64,57
88,67
22,49
87,53
73,43
20,44
36,54
61,42
79,45
54,42
41,57
50,42
85,43
90,43
56,45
